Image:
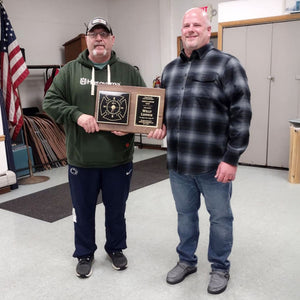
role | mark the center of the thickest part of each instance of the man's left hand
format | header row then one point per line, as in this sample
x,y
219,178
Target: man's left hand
x,y
225,172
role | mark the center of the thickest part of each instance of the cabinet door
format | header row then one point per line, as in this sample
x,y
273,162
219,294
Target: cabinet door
x,y
234,42
252,46
285,90
258,65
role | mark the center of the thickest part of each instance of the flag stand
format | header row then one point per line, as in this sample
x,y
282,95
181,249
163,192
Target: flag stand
x,y
32,179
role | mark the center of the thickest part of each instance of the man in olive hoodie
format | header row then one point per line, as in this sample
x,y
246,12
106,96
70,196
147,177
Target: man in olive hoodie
x,y
98,160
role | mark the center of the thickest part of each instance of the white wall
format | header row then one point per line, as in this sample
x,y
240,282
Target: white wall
x,y
250,9
136,25
43,26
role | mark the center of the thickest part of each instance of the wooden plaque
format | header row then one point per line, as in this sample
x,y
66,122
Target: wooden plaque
x,y
129,108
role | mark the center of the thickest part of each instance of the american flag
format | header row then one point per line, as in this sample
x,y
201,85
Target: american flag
x,y
13,73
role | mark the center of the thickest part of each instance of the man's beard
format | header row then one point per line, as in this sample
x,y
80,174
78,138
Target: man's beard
x,y
102,54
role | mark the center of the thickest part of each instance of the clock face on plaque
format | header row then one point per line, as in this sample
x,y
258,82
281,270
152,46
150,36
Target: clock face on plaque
x,y
113,107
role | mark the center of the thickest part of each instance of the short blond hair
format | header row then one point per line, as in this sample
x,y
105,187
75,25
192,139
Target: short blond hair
x,y
201,12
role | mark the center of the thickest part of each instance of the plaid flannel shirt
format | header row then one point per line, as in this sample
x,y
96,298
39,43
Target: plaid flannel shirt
x,y
207,110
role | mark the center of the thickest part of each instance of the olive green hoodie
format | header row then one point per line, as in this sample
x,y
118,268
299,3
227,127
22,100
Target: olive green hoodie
x,y
73,93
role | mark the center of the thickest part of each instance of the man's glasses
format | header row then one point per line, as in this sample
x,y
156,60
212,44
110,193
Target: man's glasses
x,y
103,34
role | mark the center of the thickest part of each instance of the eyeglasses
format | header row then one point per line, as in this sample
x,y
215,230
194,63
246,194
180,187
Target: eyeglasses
x,y
103,34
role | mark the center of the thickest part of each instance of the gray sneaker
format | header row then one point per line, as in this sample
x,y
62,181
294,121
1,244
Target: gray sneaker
x,y
218,282
179,272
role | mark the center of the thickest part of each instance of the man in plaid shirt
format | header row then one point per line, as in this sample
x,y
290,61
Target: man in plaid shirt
x,y
207,118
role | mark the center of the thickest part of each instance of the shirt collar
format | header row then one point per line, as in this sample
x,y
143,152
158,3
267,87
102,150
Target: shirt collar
x,y
196,54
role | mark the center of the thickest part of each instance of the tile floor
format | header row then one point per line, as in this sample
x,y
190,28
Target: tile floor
x,y
36,257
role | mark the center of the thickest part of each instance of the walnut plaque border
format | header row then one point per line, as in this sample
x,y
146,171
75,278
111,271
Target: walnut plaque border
x,y
129,108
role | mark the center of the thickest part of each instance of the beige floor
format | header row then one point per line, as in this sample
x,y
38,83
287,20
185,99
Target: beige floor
x,y
36,257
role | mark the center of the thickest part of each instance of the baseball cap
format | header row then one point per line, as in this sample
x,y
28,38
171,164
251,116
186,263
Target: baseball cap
x,y
98,22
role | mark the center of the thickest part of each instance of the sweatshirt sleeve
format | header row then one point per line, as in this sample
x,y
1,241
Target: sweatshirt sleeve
x,y
56,103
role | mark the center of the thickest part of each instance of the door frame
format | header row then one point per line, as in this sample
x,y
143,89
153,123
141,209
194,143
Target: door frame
x,y
276,19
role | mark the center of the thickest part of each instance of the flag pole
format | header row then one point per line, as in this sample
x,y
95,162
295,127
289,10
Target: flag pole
x,y
14,65
32,178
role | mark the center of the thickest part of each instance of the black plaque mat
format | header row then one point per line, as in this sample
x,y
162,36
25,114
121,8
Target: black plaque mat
x,y
53,204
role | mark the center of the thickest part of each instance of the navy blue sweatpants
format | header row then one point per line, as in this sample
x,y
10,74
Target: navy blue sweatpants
x,y
85,185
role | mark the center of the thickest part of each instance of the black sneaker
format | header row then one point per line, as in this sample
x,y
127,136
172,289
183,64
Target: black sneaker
x,y
84,267
119,260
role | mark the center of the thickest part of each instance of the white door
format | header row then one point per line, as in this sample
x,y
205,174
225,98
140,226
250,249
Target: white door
x,y
252,46
285,90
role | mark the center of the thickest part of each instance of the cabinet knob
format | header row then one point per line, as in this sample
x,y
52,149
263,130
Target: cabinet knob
x,y
271,78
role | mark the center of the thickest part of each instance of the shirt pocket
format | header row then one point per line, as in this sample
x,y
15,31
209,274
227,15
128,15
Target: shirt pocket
x,y
207,91
206,85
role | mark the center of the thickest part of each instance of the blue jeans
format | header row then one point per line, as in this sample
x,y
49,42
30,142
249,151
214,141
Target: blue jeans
x,y
187,190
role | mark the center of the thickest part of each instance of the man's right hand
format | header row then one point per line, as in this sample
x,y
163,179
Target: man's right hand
x,y
88,123
158,134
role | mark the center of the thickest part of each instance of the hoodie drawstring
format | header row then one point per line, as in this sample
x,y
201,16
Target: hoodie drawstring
x,y
93,82
93,79
108,74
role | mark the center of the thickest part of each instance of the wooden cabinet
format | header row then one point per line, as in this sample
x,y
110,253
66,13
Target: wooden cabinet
x,y
74,47
269,52
294,162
